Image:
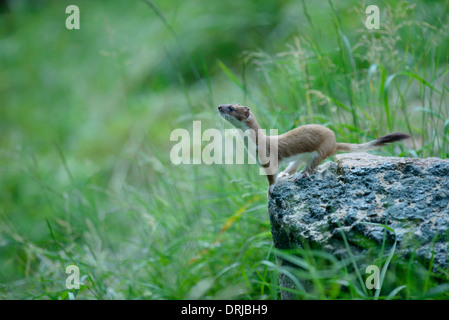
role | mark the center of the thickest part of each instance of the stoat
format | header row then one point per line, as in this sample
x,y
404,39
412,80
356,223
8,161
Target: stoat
x,y
311,143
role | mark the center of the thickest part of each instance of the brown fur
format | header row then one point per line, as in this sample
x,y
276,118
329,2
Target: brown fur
x,y
315,139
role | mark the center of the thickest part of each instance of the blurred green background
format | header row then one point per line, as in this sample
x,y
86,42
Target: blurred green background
x,y
86,117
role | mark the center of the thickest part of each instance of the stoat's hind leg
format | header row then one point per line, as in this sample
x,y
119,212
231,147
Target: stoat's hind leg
x,y
301,174
310,166
292,167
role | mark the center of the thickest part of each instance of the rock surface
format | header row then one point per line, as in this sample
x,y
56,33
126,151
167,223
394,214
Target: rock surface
x,y
410,195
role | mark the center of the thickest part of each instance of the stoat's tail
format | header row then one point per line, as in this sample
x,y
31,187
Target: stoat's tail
x,y
392,137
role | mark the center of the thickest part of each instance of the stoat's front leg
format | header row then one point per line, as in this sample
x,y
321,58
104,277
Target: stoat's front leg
x,y
272,178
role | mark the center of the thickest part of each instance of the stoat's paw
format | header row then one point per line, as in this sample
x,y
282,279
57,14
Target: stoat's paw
x,y
283,174
300,175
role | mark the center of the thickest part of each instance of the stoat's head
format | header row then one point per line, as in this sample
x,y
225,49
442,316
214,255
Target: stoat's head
x,y
236,114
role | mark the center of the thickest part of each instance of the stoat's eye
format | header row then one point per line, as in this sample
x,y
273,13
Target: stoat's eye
x,y
231,109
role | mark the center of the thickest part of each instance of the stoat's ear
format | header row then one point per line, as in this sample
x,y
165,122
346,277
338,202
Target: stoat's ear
x,y
247,110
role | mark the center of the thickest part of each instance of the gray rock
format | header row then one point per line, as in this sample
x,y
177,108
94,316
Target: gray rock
x,y
410,195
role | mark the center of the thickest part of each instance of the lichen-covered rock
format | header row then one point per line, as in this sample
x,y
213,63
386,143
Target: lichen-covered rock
x,y
409,195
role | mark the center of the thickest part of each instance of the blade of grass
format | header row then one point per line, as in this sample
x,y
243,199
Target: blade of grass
x,y
395,292
386,87
231,76
351,257
390,256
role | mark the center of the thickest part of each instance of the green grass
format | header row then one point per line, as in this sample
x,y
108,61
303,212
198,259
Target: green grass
x,y
86,118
